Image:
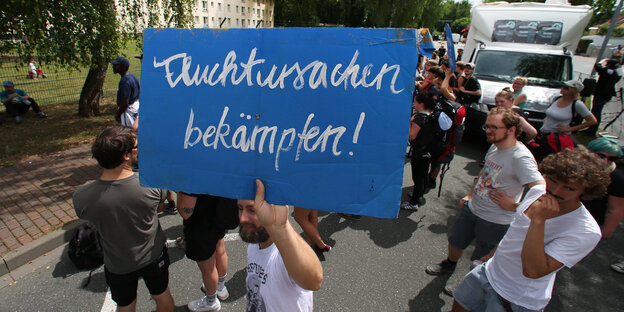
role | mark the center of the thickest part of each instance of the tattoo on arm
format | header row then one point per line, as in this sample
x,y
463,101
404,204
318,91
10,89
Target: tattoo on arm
x,y
187,210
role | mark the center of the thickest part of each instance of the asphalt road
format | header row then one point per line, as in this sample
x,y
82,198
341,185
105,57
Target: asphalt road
x,y
376,264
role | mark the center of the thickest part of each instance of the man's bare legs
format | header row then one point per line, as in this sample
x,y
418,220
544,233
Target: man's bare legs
x,y
164,301
454,253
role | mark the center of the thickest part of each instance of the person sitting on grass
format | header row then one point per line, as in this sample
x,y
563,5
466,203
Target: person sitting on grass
x,y
17,102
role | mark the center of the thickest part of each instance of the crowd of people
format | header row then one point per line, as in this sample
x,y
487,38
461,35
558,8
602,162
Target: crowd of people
x,y
528,213
539,203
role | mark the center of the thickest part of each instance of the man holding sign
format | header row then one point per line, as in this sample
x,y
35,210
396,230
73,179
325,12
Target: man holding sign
x,y
282,269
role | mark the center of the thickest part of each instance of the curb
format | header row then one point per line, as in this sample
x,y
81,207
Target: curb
x,y
20,256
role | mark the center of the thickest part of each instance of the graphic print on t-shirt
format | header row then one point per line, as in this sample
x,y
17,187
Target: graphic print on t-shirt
x,y
255,277
487,182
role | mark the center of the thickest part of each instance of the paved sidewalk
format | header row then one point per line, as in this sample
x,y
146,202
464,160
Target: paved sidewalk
x,y
35,199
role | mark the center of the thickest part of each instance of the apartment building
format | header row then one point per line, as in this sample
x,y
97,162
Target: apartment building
x,y
233,13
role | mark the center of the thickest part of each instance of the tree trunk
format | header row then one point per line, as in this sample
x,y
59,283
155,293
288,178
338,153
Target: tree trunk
x,y
89,103
392,13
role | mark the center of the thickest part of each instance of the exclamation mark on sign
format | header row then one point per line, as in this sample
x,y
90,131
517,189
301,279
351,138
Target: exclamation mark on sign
x,y
356,133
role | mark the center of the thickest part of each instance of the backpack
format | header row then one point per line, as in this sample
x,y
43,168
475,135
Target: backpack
x,y
446,137
85,250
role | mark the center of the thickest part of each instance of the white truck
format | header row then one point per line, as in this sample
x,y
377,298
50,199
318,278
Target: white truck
x,y
534,40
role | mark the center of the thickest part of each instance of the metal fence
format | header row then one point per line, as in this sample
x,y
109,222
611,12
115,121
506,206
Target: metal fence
x,y
61,85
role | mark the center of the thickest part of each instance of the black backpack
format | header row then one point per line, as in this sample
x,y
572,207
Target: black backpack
x,y
85,250
444,141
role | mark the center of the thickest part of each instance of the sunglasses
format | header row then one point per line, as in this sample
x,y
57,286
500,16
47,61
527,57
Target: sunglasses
x,y
607,157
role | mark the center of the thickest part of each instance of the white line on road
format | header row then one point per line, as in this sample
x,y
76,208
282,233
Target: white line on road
x,y
231,237
108,305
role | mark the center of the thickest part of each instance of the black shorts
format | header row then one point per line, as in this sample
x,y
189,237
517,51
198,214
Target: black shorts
x,y
123,287
202,231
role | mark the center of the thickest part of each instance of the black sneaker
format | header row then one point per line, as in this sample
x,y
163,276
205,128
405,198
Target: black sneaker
x,y
42,115
444,267
431,184
170,208
421,201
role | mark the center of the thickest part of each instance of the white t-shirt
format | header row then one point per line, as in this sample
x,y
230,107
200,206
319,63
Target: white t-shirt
x,y
269,286
567,238
508,171
33,68
561,116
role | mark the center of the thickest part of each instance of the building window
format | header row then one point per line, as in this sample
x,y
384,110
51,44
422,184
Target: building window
x,y
237,22
196,20
219,4
212,19
205,21
211,3
229,22
204,5
248,10
243,21
228,8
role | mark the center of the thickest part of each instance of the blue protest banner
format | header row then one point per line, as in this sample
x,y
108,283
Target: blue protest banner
x,y
320,115
425,43
450,47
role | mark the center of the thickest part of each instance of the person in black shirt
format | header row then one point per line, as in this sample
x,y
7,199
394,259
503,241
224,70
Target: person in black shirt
x,y
605,89
420,136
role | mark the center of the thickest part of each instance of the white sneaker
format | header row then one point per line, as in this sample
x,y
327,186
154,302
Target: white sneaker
x,y
223,294
201,305
618,267
408,206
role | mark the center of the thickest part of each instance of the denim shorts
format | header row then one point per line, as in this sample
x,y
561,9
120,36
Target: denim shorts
x,y
475,293
469,227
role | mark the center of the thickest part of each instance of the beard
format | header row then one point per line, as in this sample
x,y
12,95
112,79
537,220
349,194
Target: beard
x,y
492,139
255,236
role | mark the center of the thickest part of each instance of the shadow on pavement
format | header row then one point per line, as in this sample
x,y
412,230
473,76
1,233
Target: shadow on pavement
x,y
429,298
385,233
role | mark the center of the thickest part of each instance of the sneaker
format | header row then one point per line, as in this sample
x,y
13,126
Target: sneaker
x,y
421,201
444,267
324,249
449,290
42,115
408,206
18,119
223,294
170,208
202,304
618,267
175,243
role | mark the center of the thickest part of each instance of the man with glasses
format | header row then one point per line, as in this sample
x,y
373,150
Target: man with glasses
x,y
486,212
551,229
126,216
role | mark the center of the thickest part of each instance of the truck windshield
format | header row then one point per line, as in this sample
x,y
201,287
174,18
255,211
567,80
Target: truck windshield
x,y
540,69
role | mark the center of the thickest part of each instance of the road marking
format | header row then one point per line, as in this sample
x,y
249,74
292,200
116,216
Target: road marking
x,y
108,305
231,237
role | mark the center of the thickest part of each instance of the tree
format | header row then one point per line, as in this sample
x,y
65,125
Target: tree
x,y
452,12
83,33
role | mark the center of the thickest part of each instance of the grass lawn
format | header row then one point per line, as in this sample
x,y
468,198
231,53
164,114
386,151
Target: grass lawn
x,y
62,129
57,95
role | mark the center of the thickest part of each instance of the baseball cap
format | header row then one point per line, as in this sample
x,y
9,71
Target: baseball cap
x,y
470,65
122,61
574,84
7,83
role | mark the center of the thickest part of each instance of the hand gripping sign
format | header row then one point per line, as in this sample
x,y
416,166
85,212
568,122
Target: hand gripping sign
x,y
320,115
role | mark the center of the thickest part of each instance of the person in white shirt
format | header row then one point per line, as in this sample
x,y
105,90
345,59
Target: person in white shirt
x,y
551,229
282,269
486,212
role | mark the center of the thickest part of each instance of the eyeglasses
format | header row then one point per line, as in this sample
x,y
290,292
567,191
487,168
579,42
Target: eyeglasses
x,y
486,127
607,157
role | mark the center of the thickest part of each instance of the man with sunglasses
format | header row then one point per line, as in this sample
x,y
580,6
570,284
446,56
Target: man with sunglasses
x,y
551,229
486,212
126,216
